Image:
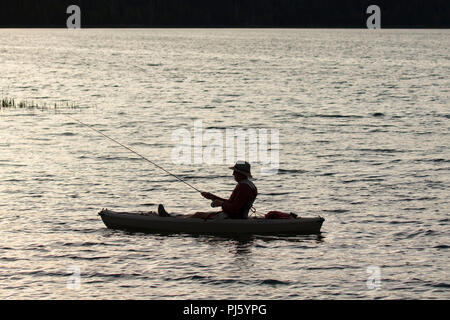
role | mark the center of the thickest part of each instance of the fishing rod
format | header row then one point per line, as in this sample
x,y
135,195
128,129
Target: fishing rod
x,y
129,149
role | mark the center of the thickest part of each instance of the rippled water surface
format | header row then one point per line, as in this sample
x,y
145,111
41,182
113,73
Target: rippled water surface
x,y
364,139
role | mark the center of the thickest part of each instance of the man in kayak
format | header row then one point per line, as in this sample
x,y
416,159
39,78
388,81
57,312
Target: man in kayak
x,y
240,201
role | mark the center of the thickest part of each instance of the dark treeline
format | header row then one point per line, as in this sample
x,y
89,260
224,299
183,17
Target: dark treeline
x,y
226,13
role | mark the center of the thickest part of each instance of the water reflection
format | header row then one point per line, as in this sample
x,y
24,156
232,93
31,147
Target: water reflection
x,y
237,242
240,248
318,238
243,244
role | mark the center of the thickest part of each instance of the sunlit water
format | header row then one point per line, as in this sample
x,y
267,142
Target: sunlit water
x,y
364,139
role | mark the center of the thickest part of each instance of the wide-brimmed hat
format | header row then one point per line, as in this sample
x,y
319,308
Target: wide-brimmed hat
x,y
242,167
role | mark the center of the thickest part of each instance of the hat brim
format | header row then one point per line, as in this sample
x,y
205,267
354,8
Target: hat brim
x,y
247,174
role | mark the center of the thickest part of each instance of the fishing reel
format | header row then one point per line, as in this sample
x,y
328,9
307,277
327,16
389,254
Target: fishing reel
x,y
214,205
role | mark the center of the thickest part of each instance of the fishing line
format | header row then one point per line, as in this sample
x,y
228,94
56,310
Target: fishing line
x,y
131,150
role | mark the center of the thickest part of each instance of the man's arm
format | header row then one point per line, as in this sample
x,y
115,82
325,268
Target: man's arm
x,y
211,196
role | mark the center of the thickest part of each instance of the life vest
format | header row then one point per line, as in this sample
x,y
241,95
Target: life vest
x,y
246,208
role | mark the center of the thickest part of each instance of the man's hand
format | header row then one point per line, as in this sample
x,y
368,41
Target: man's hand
x,y
217,203
208,196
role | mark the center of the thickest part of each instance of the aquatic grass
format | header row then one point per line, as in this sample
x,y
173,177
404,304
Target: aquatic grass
x,y
10,103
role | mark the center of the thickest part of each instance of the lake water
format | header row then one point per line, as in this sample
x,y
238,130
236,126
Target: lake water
x,y
363,119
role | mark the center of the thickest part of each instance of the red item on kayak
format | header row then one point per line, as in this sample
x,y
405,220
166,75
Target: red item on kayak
x,y
278,215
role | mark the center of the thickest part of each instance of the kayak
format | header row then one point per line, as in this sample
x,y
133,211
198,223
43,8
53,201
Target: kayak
x,y
151,222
